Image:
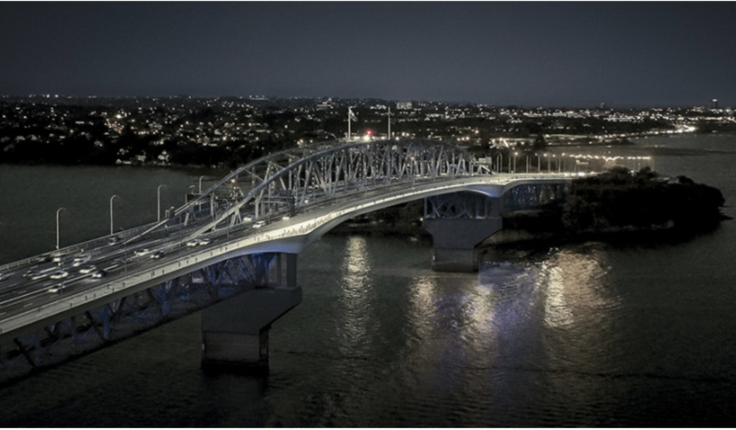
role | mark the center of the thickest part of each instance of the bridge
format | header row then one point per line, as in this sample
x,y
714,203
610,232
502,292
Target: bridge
x,y
239,240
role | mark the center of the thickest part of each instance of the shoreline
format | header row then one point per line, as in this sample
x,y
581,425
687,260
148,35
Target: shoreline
x,y
556,143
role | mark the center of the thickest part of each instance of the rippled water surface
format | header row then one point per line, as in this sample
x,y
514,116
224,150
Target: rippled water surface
x,y
589,335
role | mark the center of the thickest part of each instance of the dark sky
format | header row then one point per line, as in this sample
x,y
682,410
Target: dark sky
x,y
525,53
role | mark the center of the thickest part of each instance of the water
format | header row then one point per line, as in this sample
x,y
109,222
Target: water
x,y
585,335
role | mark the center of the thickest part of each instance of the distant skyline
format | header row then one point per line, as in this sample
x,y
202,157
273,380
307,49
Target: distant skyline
x,y
529,54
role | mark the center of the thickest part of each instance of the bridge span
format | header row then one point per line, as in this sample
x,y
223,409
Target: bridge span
x,y
238,238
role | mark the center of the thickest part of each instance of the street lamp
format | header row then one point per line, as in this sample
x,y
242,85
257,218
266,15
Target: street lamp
x,y
158,208
111,228
200,185
57,226
199,206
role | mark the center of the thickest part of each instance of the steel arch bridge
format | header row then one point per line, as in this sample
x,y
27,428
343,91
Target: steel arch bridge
x,y
288,181
300,193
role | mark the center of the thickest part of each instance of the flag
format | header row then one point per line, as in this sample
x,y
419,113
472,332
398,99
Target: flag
x,y
351,115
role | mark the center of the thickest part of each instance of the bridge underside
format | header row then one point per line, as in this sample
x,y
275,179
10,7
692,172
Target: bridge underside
x,y
459,222
262,280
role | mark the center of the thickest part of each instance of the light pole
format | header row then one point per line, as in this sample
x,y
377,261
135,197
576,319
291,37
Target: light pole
x,y
125,254
200,185
58,211
158,208
111,228
199,206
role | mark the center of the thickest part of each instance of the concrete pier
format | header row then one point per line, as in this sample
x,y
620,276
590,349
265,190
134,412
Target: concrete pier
x,y
235,331
458,222
455,240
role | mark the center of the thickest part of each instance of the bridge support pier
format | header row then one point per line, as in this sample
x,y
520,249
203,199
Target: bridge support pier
x,y
455,240
235,331
458,223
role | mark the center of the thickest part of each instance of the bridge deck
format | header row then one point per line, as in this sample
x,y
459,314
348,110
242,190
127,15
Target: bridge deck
x,y
30,302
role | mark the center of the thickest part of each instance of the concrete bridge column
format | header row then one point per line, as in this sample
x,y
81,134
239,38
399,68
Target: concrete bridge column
x,y
235,331
454,240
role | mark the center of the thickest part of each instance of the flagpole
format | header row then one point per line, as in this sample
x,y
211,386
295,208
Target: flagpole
x,y
349,120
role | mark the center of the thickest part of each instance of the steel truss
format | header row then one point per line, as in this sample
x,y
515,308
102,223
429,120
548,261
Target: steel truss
x,y
285,182
533,196
468,205
120,319
460,205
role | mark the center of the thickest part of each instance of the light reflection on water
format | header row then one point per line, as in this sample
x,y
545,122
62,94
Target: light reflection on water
x,y
354,299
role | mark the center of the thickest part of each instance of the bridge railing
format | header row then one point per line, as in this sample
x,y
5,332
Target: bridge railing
x,y
93,247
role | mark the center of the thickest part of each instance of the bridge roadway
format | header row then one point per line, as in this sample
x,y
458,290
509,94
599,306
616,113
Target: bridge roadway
x,y
30,298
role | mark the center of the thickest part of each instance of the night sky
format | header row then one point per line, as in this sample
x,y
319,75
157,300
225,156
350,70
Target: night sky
x,y
527,54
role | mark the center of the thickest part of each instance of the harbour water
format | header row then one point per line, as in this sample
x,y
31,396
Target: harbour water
x,y
639,334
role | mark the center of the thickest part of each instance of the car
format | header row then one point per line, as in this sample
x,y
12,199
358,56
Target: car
x,y
43,259
205,241
259,224
29,274
61,274
89,269
80,259
113,240
141,252
99,274
193,242
4,276
158,254
57,289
